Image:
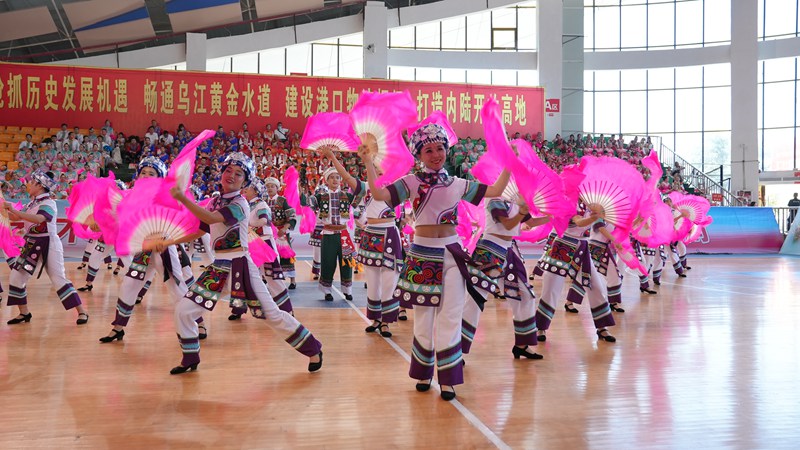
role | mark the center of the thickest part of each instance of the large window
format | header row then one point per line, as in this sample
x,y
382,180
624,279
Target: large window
x,y
504,29
777,19
689,107
614,25
777,118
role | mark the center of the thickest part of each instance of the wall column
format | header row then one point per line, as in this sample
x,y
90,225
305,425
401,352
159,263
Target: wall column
x,y
196,52
744,97
376,36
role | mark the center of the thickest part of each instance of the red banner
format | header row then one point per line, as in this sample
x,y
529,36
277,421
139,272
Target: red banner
x,y
46,96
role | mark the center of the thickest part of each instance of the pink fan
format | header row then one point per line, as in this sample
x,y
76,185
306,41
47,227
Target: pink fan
x,y
379,119
259,250
498,150
10,242
614,185
695,207
545,192
471,223
286,252
330,129
83,198
535,234
696,232
292,195
105,213
628,256
655,228
141,219
181,170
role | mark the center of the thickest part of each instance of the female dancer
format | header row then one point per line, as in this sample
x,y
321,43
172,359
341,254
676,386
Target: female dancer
x,y
232,274
568,256
437,272
381,252
499,258
337,247
42,247
603,251
283,217
261,222
144,266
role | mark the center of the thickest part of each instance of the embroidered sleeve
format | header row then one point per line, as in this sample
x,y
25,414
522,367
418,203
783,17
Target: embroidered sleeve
x,y
402,190
47,212
474,192
359,192
291,216
232,214
497,209
263,212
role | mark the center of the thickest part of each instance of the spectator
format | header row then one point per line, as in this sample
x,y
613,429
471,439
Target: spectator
x,y
281,133
27,143
794,203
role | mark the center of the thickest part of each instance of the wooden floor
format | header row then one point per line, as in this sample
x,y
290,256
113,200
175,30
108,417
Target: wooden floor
x,y
712,361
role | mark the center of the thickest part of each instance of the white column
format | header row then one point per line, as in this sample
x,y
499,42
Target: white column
x,y
744,96
572,68
196,52
376,47
550,16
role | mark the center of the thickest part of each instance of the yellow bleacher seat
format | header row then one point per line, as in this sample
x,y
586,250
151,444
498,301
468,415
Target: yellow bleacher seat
x,y
40,130
12,129
13,165
53,131
3,146
85,131
5,138
26,130
6,156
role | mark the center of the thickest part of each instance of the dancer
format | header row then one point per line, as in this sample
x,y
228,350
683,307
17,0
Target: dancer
x,y
145,265
261,222
438,273
381,252
233,273
500,259
315,240
603,251
337,246
99,252
42,248
568,256
283,217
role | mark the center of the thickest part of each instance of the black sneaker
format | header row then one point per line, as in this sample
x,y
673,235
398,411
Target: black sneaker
x,y
328,297
292,286
348,297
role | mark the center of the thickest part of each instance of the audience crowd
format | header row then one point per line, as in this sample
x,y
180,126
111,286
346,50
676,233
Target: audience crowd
x,y
71,155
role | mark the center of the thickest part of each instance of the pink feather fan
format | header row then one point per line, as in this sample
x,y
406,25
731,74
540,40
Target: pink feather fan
x,y
260,251
10,242
292,195
141,219
545,191
498,153
284,251
628,256
381,118
330,129
617,187
693,209
471,223
105,213
83,199
696,232
181,170
656,226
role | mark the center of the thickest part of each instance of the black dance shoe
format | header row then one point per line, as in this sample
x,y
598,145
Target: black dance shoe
x,y
180,369
348,297
605,337
570,309
520,352
328,297
424,387
88,287
315,366
117,336
385,332
649,291
20,318
616,308
82,320
292,286
234,317
541,337
204,333
448,395
373,328
402,315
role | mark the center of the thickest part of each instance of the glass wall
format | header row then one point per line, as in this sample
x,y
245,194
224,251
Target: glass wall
x,y
777,19
615,25
777,114
505,29
689,107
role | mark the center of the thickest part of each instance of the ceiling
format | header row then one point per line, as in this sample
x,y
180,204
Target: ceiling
x,y
36,31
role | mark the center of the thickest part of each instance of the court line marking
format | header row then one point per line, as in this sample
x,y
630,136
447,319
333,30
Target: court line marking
x,y
471,418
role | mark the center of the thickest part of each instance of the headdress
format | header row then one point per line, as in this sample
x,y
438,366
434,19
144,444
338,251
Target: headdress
x,y
431,132
244,162
154,163
44,179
